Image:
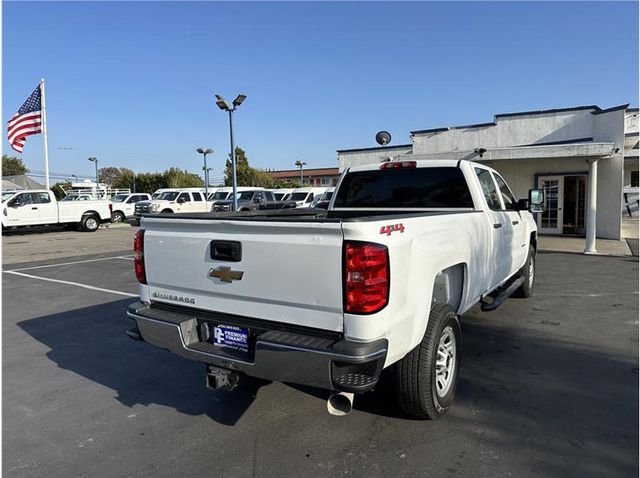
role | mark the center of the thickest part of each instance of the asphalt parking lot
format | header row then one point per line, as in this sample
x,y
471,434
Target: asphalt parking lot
x,y
548,387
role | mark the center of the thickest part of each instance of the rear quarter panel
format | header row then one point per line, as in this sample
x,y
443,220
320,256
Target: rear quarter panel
x,y
427,246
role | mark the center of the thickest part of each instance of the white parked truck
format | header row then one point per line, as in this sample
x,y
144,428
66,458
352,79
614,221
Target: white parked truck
x,y
376,281
39,207
123,206
170,201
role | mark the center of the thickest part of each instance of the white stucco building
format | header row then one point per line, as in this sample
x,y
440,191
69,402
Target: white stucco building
x,y
583,157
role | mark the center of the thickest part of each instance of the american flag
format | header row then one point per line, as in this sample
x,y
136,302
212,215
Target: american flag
x,y
27,121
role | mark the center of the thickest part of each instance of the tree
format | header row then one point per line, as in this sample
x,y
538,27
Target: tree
x,y
13,166
149,182
178,178
57,189
111,175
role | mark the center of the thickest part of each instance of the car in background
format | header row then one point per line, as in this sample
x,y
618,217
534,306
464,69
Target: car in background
x,y
224,193
39,207
304,196
281,194
171,201
123,206
253,200
322,201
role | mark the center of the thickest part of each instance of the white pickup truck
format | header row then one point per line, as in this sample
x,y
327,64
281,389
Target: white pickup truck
x,y
123,206
376,281
39,207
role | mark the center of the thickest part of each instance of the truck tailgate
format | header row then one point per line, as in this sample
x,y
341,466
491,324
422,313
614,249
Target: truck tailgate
x,y
291,271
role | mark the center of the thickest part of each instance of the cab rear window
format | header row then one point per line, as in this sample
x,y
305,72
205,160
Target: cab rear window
x,y
441,187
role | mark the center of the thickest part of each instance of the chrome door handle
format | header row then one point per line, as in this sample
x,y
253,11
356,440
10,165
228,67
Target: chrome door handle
x,y
34,208
497,225
515,222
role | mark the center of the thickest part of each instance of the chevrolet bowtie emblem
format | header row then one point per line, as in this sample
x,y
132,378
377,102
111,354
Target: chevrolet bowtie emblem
x,y
225,274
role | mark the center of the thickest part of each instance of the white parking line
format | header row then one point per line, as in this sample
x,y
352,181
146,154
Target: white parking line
x,y
77,284
70,263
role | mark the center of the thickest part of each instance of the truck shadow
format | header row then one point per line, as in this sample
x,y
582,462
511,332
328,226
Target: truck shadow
x,y
92,343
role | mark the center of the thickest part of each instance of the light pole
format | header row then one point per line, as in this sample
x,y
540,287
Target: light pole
x,y
300,164
204,153
95,161
224,106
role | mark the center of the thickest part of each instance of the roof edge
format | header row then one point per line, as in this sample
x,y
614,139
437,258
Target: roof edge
x,y
375,148
613,108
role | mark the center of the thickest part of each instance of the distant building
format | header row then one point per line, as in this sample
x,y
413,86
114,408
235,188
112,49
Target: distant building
x,y
558,150
317,177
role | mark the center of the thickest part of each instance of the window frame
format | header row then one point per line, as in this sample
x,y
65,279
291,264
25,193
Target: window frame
x,y
504,205
477,170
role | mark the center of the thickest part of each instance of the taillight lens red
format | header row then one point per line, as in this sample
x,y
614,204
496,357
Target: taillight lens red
x,y
138,256
366,280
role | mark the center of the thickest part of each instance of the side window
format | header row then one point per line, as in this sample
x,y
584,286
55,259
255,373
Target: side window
x,y
258,196
42,198
309,197
143,197
269,196
184,197
132,200
507,196
197,197
488,189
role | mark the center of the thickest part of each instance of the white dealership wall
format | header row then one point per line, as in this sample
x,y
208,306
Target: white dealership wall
x,y
573,127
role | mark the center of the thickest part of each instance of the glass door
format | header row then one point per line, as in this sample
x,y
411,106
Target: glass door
x,y
550,220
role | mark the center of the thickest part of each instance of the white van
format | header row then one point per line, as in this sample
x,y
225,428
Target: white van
x,y
304,196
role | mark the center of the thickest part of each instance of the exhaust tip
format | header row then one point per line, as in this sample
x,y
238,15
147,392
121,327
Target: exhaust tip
x,y
340,404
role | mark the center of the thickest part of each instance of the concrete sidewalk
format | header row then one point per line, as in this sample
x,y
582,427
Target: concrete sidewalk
x,y
605,247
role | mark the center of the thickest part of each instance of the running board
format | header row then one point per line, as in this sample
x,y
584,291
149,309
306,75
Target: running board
x,y
504,295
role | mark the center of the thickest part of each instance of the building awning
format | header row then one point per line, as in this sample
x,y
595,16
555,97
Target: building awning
x,y
595,150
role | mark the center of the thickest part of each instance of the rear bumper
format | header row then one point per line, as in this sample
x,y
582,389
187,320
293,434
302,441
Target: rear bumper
x,y
301,357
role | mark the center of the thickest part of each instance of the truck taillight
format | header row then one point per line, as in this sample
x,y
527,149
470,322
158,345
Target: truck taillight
x,y
398,165
138,256
366,277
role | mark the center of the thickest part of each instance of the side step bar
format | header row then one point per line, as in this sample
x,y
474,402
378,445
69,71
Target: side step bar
x,y
502,296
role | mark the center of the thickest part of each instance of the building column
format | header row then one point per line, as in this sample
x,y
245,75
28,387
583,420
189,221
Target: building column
x,y
591,208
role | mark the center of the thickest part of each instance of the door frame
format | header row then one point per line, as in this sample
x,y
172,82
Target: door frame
x,y
553,177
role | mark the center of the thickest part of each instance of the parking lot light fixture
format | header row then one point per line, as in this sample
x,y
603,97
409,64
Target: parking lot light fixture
x,y
204,153
301,164
95,162
224,106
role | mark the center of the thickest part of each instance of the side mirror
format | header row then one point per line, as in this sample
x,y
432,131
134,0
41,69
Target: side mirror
x,y
536,200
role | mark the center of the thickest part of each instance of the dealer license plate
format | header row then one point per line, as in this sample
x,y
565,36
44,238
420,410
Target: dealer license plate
x,y
230,337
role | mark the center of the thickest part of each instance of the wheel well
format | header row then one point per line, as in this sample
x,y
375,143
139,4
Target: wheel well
x,y
118,211
91,213
449,286
533,240
167,210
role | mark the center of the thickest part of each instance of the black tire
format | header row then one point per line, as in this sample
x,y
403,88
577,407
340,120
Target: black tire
x,y
416,384
117,217
167,211
90,223
528,271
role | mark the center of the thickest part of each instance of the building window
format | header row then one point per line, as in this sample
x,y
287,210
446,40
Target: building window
x,y
634,179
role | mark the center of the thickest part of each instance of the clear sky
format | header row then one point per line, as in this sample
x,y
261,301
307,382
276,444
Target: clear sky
x,y
133,83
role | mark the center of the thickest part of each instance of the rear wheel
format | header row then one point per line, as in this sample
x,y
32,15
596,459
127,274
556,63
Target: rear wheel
x,y
117,217
426,377
89,223
528,271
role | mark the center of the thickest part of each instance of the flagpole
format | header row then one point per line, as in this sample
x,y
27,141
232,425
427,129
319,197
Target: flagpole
x,y
44,135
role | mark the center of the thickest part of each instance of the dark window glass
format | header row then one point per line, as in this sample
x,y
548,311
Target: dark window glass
x,y
488,189
279,196
441,187
197,196
41,198
634,179
269,196
507,195
184,197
